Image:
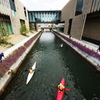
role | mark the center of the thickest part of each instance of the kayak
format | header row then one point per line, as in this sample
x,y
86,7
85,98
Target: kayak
x,y
31,74
60,94
61,45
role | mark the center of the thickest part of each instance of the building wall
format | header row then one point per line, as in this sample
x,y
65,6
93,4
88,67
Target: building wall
x,y
5,12
15,25
68,12
95,5
87,6
19,10
92,29
91,6
82,25
78,26
19,16
15,16
5,7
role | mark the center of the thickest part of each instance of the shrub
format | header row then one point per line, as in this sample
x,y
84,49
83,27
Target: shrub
x,y
23,30
4,34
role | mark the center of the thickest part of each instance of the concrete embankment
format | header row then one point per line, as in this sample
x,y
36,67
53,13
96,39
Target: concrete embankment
x,y
85,51
27,44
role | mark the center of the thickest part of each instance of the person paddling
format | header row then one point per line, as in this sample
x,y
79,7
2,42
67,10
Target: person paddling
x,y
61,87
1,55
30,70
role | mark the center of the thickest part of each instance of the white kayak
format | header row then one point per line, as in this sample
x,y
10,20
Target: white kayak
x,y
61,45
31,74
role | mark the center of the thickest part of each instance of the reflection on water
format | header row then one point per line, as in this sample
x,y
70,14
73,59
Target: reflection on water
x,y
53,63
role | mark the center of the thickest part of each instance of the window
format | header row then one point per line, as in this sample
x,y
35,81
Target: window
x,y
5,25
79,7
12,5
25,12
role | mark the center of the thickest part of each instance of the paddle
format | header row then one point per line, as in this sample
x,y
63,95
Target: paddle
x,y
64,88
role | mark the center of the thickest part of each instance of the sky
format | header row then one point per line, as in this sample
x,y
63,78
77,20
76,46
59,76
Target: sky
x,y
44,4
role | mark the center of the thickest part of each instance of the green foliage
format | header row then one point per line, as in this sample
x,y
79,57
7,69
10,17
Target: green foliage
x,y
32,27
4,34
50,25
39,25
6,44
23,30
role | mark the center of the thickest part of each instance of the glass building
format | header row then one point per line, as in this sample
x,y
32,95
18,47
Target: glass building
x,y
44,16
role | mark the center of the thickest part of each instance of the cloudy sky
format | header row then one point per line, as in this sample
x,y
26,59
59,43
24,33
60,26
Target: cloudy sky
x,y
44,4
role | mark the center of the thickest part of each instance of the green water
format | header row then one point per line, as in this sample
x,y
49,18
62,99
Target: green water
x,y
53,63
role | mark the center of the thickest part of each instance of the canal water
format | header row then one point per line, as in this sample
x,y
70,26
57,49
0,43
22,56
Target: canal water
x,y
53,63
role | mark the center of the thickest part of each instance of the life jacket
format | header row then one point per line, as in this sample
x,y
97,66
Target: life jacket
x,y
61,87
31,71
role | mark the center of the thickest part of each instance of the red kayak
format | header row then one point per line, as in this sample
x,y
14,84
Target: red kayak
x,y
60,94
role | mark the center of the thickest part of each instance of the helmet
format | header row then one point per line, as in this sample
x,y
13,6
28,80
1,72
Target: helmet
x,y
2,53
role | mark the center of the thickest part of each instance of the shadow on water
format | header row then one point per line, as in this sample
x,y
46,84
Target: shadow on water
x,y
53,63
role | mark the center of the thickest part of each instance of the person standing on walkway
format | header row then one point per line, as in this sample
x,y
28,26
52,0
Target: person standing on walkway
x,y
1,55
98,48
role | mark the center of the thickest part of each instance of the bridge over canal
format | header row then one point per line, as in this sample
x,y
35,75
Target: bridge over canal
x,y
44,16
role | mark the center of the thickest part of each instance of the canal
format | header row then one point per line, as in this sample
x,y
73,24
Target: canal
x,y
53,63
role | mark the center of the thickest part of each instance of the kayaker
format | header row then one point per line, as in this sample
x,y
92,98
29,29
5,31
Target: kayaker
x,y
61,87
1,55
30,70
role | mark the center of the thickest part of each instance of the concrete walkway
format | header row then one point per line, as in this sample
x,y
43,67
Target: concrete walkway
x,y
88,44
91,45
14,39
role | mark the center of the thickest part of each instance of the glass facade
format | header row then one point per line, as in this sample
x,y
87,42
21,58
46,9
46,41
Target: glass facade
x,y
12,5
5,26
13,8
79,7
44,16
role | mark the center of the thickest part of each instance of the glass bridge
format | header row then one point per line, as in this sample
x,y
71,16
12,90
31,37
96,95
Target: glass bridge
x,y
44,16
